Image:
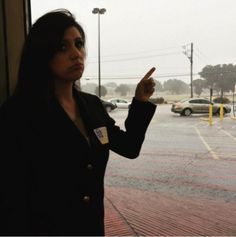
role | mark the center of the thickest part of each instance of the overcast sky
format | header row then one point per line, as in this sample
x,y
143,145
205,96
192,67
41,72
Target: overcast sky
x,y
139,34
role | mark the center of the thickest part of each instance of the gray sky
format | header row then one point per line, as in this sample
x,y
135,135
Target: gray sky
x,y
139,34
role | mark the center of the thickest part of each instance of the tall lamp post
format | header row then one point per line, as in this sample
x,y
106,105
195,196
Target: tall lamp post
x,y
99,11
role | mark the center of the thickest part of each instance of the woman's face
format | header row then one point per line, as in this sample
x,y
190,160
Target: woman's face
x,y
68,63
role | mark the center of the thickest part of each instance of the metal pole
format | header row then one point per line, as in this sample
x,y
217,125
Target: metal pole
x,y
233,102
99,11
191,70
190,57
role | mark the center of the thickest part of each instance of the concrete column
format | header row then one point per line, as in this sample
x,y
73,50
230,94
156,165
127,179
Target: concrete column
x,y
14,20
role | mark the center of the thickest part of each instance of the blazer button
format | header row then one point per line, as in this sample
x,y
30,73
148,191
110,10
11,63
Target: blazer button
x,y
89,167
86,199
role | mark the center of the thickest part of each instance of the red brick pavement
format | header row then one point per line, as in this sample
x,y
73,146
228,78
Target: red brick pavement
x,y
130,212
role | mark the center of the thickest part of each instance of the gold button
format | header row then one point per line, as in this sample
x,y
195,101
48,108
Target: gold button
x,y
86,199
89,167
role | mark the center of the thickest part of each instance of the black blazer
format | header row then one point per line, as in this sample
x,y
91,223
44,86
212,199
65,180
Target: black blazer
x,y
51,178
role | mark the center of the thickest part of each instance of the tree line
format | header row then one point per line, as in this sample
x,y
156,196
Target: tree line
x,y
220,78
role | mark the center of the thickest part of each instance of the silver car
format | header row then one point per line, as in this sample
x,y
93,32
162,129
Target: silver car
x,y
198,105
120,103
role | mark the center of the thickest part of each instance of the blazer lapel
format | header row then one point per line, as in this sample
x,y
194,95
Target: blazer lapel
x,y
91,122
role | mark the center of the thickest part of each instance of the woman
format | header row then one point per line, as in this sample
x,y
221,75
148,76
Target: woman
x,y
56,139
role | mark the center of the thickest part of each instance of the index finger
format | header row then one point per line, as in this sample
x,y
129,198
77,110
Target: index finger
x,y
149,73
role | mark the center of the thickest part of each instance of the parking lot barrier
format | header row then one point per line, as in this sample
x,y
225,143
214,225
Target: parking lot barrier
x,y
221,112
210,114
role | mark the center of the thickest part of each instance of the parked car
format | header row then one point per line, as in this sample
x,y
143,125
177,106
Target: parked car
x,y
187,107
108,105
120,103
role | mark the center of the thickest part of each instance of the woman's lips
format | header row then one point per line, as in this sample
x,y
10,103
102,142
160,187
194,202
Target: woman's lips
x,y
77,66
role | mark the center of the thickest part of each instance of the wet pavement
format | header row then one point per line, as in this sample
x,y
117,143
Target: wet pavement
x,y
183,183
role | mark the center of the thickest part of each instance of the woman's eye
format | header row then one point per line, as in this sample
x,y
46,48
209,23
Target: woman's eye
x,y
79,44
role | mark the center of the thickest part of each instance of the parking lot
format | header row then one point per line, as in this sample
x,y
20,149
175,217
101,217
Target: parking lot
x,y
183,183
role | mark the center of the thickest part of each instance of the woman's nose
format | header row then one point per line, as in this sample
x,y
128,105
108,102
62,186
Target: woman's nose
x,y
75,53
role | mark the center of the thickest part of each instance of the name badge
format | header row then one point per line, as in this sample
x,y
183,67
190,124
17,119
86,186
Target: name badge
x,y
101,134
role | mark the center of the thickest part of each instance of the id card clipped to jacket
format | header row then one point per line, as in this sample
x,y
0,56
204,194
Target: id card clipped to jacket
x,y
102,135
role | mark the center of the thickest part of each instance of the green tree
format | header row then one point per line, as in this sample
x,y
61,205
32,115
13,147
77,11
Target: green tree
x,y
219,77
198,86
209,74
122,89
175,86
158,85
111,84
103,91
228,77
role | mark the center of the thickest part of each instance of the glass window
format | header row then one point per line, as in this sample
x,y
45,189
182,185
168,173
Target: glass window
x,y
184,173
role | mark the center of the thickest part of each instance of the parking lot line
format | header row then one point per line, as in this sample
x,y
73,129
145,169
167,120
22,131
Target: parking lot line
x,y
214,156
227,133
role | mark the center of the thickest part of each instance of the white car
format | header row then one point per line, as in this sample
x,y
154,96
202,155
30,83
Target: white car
x,y
120,103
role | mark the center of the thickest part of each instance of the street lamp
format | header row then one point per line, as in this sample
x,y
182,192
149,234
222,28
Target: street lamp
x,y
99,11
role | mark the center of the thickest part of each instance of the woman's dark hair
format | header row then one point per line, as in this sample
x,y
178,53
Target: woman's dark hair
x,y
35,79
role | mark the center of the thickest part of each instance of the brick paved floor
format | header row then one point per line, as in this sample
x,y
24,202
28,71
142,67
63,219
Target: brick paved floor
x,y
130,212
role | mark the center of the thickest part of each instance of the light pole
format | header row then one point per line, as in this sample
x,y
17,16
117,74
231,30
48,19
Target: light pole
x,y
99,11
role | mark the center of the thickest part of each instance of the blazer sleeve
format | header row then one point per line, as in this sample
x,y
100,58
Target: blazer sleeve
x,y
128,143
